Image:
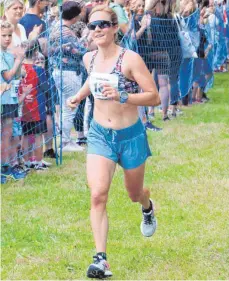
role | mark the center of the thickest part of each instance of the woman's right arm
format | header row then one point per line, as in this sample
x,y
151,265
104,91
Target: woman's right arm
x,y
84,92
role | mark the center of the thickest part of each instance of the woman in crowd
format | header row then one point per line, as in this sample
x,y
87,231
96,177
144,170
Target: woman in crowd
x,y
13,12
165,55
142,35
116,134
71,60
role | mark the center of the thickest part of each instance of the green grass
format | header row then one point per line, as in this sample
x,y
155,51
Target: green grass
x,y
45,219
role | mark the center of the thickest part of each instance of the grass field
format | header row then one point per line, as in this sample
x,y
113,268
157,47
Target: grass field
x,y
45,219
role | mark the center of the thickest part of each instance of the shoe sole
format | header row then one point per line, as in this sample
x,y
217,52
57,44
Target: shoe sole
x,y
94,272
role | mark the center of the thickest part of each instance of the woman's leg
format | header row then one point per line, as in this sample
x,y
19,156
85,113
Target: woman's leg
x,y
134,180
38,147
99,180
163,81
48,137
6,134
134,184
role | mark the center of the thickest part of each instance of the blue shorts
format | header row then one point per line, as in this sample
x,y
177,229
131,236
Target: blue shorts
x,y
129,147
17,128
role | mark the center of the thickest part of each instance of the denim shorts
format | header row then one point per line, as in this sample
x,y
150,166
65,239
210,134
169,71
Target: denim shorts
x,y
129,147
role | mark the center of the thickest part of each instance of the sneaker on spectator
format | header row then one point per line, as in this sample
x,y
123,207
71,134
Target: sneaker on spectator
x,y
166,118
6,170
81,141
72,147
17,172
149,222
179,112
151,127
99,268
50,153
24,168
30,165
48,164
40,167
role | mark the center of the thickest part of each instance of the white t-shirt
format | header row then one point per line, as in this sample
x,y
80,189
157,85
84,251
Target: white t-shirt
x,y
16,40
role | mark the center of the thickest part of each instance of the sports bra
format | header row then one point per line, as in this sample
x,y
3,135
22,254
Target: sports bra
x,y
115,78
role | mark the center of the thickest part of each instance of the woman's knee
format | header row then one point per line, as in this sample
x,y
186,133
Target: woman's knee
x,y
135,196
98,198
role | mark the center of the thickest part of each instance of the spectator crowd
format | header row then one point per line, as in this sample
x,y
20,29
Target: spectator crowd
x,y
42,47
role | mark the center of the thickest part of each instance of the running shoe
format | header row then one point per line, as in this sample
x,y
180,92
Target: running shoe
x,y
99,268
151,127
149,222
17,172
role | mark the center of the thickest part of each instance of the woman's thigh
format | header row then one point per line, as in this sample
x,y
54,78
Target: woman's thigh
x,y
100,171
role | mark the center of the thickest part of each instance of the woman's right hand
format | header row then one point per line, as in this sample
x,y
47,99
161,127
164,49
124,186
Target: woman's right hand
x,y
73,101
146,20
19,53
35,32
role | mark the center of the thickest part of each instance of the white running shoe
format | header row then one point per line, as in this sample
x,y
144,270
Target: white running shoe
x,y
72,147
149,222
99,268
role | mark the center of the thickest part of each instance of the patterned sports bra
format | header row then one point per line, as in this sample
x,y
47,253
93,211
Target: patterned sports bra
x,y
123,83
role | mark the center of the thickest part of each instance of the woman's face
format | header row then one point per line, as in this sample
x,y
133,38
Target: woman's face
x,y
103,35
15,12
140,8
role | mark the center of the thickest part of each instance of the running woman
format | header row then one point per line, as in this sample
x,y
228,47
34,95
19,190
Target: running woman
x,y
116,134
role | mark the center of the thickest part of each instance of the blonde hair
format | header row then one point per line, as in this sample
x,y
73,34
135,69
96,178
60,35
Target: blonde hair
x,y
9,3
106,9
6,25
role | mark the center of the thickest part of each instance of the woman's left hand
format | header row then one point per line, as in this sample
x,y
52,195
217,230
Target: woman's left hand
x,y
110,92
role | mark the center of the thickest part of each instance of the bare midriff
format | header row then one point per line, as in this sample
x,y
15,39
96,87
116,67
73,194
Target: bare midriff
x,y
114,115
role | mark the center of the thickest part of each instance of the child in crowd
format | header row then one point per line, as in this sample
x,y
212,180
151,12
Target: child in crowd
x,y
33,110
10,73
39,60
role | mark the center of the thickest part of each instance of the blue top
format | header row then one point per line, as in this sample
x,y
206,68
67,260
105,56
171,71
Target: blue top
x,y
29,21
7,63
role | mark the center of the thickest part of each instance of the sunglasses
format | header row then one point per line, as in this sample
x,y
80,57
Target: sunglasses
x,y
99,1
101,24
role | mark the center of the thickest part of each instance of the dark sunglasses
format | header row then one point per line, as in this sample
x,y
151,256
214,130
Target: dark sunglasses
x,y
101,24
